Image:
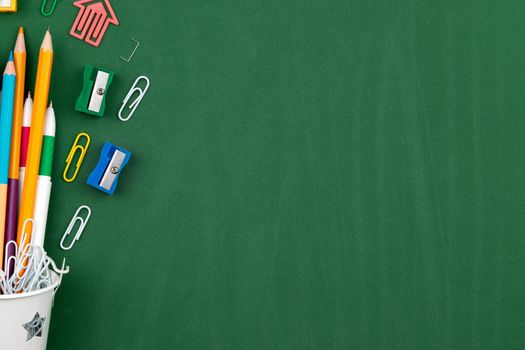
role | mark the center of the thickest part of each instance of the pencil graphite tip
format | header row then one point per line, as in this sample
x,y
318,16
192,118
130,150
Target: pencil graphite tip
x,y
10,56
21,30
29,94
51,104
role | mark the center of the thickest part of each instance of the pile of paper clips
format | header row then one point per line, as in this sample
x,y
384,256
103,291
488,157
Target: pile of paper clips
x,y
29,269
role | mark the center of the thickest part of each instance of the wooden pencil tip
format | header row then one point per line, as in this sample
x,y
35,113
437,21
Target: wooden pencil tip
x,y
10,68
47,43
20,45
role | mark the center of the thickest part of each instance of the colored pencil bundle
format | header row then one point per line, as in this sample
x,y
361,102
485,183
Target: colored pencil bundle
x,y
27,133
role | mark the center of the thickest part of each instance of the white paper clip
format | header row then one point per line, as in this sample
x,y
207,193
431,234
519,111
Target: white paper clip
x,y
83,223
133,106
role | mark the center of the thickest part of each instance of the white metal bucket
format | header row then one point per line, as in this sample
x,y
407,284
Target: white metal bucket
x,y
25,318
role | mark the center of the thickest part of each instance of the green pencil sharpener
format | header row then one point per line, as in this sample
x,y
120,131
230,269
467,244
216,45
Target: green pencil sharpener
x,y
92,99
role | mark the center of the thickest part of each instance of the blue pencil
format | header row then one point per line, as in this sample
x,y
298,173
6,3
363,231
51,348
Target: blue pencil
x,y
6,120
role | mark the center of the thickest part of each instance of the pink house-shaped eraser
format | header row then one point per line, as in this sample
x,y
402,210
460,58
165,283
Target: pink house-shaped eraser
x,y
93,20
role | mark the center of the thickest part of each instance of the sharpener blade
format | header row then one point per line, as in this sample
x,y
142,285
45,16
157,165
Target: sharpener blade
x,y
112,170
99,90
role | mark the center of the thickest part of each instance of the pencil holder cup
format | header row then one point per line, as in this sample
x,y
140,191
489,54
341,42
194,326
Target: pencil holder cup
x,y
25,318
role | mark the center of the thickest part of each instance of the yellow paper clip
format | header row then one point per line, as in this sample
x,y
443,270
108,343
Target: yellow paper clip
x,y
72,152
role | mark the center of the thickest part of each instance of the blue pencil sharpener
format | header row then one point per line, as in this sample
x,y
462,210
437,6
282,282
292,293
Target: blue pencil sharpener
x,y
105,175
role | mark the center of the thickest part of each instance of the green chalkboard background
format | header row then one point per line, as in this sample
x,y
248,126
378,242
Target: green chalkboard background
x,y
305,175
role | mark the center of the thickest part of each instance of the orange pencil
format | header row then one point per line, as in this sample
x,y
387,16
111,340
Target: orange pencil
x,y
43,79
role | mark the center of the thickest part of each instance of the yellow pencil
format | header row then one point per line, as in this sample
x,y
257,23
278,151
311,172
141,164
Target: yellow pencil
x,y
43,78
